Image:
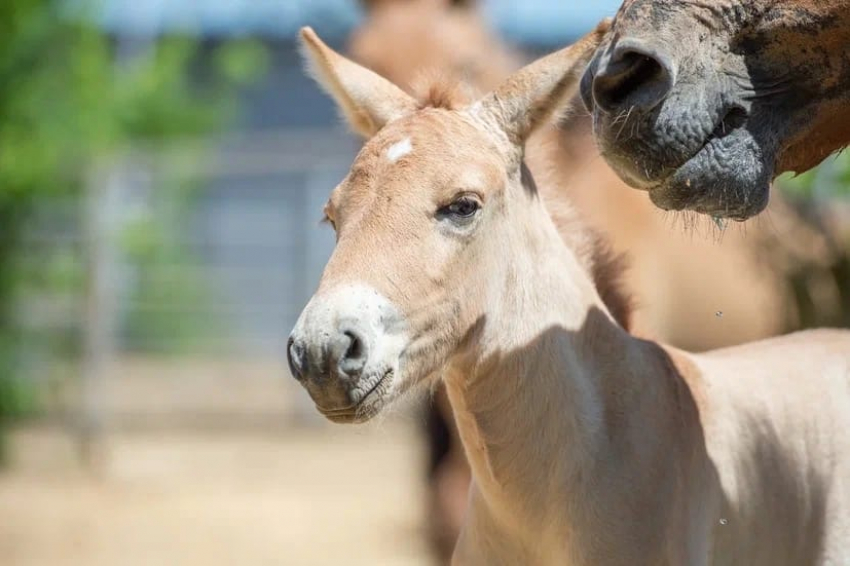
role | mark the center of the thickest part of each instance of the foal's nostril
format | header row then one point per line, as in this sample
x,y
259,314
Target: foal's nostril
x,y
353,352
295,357
634,76
355,347
342,354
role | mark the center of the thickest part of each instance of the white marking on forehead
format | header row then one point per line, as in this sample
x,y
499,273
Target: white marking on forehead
x,y
399,149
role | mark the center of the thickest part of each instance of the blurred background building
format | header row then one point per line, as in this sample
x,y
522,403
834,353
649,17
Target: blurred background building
x,y
163,165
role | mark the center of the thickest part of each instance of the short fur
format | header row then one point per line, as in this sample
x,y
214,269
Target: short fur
x,y
444,92
588,446
607,268
676,275
693,290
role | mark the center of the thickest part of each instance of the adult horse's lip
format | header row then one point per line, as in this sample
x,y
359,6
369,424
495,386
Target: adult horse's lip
x,y
734,192
733,118
354,413
675,189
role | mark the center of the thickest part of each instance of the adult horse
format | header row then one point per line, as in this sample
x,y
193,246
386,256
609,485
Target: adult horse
x,y
703,103
588,445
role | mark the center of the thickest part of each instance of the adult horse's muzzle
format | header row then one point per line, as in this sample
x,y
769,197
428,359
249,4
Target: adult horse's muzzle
x,y
683,135
345,351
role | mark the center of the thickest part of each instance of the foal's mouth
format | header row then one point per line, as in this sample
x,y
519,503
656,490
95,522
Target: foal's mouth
x,y
366,408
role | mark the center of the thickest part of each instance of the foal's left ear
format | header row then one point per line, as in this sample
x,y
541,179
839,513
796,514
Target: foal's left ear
x,y
530,96
367,100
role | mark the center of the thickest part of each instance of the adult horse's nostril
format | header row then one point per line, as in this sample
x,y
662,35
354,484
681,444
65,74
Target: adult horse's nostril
x,y
295,357
351,350
632,76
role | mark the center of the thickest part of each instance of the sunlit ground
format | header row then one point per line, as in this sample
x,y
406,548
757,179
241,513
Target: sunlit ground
x,y
210,492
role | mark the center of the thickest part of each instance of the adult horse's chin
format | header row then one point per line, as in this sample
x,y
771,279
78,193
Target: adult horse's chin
x,y
727,178
697,153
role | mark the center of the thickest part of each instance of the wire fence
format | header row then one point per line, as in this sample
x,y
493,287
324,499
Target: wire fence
x,y
186,268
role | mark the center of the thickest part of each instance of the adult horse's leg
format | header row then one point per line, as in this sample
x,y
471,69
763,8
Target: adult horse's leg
x,y
448,477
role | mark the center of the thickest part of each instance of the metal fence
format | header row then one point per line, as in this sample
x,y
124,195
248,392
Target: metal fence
x,y
193,262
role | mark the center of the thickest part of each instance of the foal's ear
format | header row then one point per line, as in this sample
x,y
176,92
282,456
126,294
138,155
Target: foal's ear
x,y
530,96
367,100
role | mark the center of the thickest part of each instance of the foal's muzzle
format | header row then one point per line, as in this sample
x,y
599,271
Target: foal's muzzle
x,y
345,351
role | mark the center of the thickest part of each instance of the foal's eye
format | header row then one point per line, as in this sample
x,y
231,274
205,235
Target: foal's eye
x,y
462,208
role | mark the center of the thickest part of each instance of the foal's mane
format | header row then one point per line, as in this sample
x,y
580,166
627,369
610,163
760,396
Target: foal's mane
x,y
606,268
444,91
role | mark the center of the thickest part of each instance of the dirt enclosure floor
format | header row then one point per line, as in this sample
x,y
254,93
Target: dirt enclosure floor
x,y
213,493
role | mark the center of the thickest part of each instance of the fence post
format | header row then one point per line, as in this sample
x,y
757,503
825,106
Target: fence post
x,y
99,311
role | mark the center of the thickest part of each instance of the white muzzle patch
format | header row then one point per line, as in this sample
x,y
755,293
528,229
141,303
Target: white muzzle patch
x,y
374,314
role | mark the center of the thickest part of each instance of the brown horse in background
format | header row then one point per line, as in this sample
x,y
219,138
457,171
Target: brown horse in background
x,y
697,288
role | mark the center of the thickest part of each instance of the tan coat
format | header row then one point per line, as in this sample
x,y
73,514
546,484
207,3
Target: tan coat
x,y
588,445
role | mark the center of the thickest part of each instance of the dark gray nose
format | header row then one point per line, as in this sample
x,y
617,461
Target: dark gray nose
x,y
630,75
342,353
295,356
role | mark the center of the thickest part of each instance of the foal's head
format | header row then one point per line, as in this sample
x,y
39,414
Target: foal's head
x,y
426,222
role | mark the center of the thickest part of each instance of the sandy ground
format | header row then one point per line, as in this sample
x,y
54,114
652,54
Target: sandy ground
x,y
214,490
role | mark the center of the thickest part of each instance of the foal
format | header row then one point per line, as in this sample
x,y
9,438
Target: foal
x,y
588,446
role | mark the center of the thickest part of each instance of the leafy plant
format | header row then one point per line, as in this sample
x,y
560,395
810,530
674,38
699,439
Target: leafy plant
x,y
65,99
830,179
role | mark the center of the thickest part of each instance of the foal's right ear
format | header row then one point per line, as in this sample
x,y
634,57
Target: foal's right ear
x,y
367,100
531,95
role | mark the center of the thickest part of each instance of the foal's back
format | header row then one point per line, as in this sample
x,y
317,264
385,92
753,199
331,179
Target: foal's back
x,y
776,416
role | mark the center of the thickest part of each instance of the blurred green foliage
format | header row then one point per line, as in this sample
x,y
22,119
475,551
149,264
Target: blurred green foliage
x,y
830,179
170,308
68,95
815,192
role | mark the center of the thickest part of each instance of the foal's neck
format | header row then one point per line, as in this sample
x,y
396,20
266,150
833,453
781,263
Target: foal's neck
x,y
550,395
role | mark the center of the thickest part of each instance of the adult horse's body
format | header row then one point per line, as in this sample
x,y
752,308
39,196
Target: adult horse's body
x,y
704,103
588,446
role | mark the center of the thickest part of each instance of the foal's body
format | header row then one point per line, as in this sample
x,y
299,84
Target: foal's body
x,y
777,417
588,446
670,458
591,447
